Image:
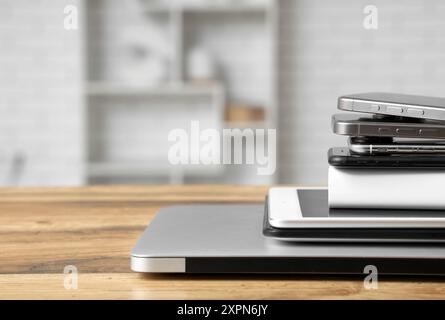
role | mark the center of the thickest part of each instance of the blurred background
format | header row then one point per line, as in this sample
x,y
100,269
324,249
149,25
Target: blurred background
x,y
94,104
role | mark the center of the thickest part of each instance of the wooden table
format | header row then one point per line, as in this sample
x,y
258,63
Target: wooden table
x,y
42,230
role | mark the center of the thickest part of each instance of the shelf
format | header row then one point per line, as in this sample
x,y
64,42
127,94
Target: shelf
x,y
174,17
139,169
117,89
245,125
212,8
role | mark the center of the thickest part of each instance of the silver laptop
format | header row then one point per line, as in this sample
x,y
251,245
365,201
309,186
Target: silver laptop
x,y
229,239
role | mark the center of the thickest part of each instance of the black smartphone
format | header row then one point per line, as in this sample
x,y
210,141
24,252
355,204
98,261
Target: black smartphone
x,y
378,146
343,157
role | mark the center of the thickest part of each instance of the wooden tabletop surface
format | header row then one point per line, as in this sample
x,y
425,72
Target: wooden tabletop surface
x,y
43,230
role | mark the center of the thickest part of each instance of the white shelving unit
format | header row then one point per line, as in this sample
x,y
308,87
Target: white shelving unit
x,y
183,89
210,6
178,87
135,169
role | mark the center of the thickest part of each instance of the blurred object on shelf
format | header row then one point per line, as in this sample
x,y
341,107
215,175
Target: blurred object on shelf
x,y
201,66
256,2
204,3
239,113
193,2
18,164
143,60
184,3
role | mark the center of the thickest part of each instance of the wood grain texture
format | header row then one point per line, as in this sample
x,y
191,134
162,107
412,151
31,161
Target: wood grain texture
x,y
44,229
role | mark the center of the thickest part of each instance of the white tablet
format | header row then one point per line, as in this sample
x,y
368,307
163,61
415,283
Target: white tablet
x,y
296,208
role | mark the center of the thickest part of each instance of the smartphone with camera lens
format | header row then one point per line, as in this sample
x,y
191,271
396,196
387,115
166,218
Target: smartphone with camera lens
x,y
356,125
342,157
366,146
395,104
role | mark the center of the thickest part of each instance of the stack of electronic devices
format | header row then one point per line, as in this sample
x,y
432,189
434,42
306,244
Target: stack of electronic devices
x,y
387,185
384,206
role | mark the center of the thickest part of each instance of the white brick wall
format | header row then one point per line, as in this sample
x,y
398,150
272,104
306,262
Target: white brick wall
x,y
325,52
40,98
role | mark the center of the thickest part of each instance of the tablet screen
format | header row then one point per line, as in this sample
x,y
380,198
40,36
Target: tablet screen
x,y
314,204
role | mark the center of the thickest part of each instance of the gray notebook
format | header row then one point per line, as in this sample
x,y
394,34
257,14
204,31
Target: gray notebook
x,y
229,239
